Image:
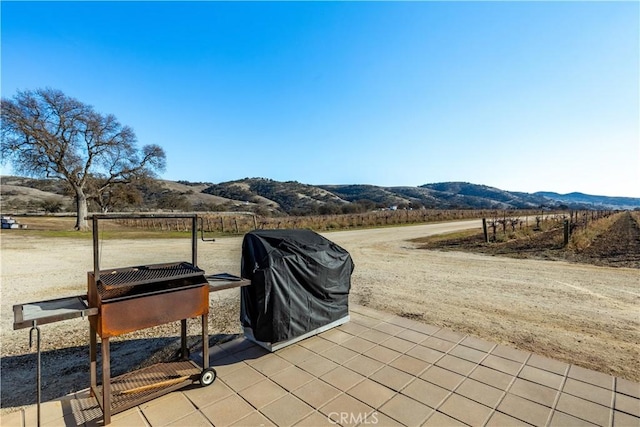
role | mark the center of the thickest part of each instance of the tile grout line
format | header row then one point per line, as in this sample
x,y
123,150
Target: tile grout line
x,y
506,391
613,401
558,395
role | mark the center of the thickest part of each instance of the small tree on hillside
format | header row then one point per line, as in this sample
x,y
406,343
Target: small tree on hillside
x,y
46,133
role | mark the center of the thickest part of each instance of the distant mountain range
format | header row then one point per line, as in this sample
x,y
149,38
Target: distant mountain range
x,y
267,196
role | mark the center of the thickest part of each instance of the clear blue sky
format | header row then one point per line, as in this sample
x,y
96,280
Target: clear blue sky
x,y
523,96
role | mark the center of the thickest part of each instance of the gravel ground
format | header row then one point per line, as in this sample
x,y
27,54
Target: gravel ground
x,y
572,312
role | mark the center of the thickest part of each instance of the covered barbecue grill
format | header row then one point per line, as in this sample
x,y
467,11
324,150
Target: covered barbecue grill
x,y
300,284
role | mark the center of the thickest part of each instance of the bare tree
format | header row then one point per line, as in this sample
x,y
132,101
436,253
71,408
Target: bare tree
x,y
46,133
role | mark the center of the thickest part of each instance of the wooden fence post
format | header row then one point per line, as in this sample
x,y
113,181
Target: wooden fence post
x,y
484,229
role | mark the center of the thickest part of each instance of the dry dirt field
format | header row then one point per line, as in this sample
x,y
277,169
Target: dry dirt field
x,y
577,313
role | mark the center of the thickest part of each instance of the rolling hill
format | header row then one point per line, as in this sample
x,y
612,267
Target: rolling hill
x,y
269,197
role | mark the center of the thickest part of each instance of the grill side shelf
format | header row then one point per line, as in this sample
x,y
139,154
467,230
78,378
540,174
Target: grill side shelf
x,y
50,311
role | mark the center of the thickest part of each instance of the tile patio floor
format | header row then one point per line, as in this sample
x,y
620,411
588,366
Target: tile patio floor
x,y
376,370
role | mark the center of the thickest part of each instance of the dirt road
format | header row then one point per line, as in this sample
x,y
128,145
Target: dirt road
x,y
577,313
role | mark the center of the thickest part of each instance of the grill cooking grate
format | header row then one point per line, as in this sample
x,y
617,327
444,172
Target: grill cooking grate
x,y
141,275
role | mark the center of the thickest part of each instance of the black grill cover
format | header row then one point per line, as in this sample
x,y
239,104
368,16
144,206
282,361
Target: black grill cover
x,y
300,281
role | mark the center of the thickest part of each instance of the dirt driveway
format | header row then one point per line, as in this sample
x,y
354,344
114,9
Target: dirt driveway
x,y
576,313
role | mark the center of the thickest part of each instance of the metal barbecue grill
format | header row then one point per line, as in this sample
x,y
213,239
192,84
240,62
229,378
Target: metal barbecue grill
x,y
140,297
122,300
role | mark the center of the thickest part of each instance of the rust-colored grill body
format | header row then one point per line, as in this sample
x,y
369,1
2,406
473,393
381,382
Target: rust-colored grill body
x,y
142,303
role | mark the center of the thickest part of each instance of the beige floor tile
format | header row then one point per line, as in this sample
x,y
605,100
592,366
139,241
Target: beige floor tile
x,y
498,419
480,392
368,322
317,365
465,410
216,352
503,365
132,418
335,335
195,419
316,393
262,393
468,353
438,419
339,354
425,353
478,344
371,393
316,419
236,345
620,419
382,354
510,353
254,419
49,411
342,378
292,378
560,419
438,344
166,409
583,409
588,392
287,410
359,345
402,321
449,335
413,336
591,377
555,366
203,396
227,365
524,410
491,377
442,377
423,328
426,393
12,419
243,378
455,364
540,376
410,365
389,328
628,387
391,377
406,410
316,344
347,410
352,328
363,365
398,344
296,353
251,353
374,336
270,364
535,392
379,419
627,404
227,411
69,420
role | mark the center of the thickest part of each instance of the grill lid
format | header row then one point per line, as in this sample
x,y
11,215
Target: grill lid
x,y
145,274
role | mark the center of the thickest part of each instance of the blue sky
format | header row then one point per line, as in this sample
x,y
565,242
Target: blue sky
x,y
523,96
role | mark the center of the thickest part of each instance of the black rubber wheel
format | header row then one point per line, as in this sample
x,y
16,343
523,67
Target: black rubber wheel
x,y
207,377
